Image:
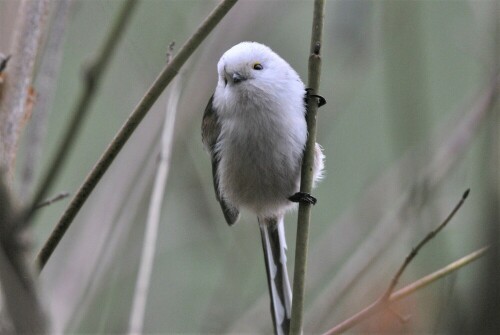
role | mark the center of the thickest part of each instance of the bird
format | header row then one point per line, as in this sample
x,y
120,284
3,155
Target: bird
x,y
254,128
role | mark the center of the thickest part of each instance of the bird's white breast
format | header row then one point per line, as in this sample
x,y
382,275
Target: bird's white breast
x,y
260,147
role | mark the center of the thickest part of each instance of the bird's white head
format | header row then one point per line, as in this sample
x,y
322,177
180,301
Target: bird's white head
x,y
253,64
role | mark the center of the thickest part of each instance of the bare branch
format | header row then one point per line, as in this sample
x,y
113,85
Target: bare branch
x,y
164,78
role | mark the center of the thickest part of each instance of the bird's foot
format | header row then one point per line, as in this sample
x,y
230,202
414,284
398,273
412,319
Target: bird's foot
x,y
303,197
321,100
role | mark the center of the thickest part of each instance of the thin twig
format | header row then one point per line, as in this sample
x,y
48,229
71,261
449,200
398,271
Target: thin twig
x,y
50,201
405,291
419,246
92,79
161,82
137,313
306,180
15,90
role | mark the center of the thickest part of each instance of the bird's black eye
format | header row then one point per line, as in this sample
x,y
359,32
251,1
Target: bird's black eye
x,y
258,66
225,81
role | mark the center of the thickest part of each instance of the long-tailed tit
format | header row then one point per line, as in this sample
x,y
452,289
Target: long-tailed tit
x,y
255,130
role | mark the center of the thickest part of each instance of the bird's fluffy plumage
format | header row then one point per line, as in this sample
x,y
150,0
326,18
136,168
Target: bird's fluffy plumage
x,y
262,130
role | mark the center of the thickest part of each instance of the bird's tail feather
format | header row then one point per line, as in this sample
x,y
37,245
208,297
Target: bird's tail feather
x,y
274,244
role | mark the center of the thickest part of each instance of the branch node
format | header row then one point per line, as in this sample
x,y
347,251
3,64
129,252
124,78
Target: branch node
x,y
3,61
170,51
414,251
317,48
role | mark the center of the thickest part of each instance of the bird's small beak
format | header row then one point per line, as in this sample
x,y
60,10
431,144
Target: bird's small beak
x,y
238,77
233,77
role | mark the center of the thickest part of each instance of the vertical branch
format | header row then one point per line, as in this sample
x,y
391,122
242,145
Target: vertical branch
x,y
19,296
25,45
136,324
307,172
46,87
140,111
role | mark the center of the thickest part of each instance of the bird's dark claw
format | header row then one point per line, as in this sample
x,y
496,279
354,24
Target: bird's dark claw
x,y
303,197
321,100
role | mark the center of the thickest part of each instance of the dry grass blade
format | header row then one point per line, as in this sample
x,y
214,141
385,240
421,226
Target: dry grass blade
x,y
149,245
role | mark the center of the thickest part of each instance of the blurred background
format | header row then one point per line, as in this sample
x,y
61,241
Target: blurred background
x,y
410,124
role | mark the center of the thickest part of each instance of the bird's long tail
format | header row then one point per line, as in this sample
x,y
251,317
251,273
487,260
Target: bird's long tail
x,y
274,244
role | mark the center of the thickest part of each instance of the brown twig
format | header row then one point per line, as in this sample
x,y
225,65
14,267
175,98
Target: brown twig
x,y
378,305
419,246
386,298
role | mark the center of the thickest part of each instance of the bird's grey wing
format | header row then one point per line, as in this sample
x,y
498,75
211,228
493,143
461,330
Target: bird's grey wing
x,y
210,130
